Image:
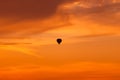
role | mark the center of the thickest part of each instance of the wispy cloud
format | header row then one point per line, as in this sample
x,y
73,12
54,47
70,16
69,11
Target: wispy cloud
x,y
95,35
104,13
13,43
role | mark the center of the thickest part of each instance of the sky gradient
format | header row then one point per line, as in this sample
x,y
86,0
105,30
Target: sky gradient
x,y
90,30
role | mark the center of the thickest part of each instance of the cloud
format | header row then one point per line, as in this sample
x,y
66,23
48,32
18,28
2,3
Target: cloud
x,y
14,43
27,18
95,35
29,9
21,18
103,13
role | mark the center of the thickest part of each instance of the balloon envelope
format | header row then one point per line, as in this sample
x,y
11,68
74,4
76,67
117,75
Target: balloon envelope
x,y
59,40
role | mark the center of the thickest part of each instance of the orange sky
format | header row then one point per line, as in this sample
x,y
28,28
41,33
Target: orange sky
x,y
90,30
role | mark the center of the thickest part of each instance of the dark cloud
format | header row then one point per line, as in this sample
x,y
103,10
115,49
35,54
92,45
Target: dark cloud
x,y
20,15
26,9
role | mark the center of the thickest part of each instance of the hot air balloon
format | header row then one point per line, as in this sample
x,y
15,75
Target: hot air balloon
x,y
59,40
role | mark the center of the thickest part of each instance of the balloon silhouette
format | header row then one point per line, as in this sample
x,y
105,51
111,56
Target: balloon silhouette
x,y
59,40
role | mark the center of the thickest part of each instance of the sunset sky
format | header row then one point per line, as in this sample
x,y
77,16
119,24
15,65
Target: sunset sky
x,y
90,30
